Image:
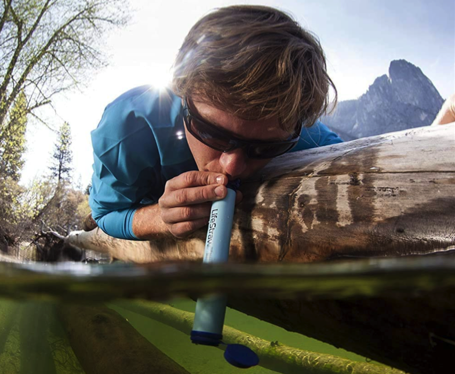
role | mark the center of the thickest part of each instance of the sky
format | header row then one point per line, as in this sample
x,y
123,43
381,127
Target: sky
x,y
360,39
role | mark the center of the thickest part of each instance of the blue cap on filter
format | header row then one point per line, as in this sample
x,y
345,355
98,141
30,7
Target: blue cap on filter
x,y
206,338
240,356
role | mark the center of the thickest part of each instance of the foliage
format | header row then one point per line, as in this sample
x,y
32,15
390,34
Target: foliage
x,y
63,156
68,211
10,191
12,147
62,208
48,46
51,201
33,199
12,140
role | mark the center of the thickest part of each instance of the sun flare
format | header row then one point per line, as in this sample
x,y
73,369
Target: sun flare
x,y
160,77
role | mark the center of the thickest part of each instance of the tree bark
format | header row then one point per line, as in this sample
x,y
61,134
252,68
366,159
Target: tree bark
x,y
388,195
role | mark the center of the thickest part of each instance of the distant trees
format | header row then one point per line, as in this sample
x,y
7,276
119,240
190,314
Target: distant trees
x,y
63,156
46,47
66,207
49,202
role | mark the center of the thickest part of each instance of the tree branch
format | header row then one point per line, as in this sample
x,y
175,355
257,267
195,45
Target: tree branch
x,y
35,60
69,46
37,21
7,5
42,121
11,66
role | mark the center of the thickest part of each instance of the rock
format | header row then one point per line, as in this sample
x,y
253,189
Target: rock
x,y
403,99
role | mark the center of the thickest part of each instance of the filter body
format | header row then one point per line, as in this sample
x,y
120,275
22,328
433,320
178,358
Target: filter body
x,y
210,311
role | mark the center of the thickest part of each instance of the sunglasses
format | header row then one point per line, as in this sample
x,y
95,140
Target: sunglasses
x,y
224,141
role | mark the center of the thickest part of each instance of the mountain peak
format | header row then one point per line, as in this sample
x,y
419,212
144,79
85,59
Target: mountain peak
x,y
402,69
412,87
404,99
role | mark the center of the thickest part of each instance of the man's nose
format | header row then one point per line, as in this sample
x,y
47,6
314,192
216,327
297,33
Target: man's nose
x,y
234,162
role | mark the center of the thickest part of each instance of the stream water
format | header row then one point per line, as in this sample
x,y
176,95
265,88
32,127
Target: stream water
x,y
33,297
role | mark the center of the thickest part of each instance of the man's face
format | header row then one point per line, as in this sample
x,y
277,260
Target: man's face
x,y
234,164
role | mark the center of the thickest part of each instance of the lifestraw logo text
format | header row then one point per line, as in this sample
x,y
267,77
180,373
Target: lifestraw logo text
x,y
212,226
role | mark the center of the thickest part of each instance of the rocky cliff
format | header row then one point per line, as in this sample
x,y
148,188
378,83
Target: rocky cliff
x,y
404,99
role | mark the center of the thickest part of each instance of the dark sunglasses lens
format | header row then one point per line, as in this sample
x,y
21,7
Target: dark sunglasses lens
x,y
269,150
209,136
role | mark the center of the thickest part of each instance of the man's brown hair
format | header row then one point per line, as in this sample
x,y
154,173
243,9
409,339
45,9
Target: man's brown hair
x,y
255,62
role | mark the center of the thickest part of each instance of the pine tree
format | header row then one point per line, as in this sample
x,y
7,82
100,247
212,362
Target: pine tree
x,y
63,156
12,140
53,211
12,147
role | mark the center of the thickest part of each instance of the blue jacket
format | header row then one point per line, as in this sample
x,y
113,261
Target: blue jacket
x,y
139,145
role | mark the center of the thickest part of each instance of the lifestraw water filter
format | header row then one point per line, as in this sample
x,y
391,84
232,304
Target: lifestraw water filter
x,y
210,310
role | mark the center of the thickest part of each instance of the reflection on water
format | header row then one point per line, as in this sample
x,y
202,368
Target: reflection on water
x,y
361,278
41,331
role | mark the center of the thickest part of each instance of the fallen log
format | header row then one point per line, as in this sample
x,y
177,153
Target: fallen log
x,y
388,195
273,356
105,343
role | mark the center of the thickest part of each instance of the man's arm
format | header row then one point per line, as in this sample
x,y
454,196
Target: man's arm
x,y
147,223
126,166
447,112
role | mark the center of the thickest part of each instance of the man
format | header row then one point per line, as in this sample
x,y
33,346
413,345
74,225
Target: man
x,y
447,113
249,85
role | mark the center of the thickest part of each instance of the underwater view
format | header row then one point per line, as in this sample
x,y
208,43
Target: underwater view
x,y
123,318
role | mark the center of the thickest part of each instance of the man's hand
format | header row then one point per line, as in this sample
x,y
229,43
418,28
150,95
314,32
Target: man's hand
x,y
187,199
447,112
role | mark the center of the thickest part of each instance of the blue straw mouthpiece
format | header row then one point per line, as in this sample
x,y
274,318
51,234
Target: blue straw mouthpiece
x,y
234,185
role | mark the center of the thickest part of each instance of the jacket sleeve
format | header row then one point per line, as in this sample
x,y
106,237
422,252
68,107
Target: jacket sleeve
x,y
126,169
